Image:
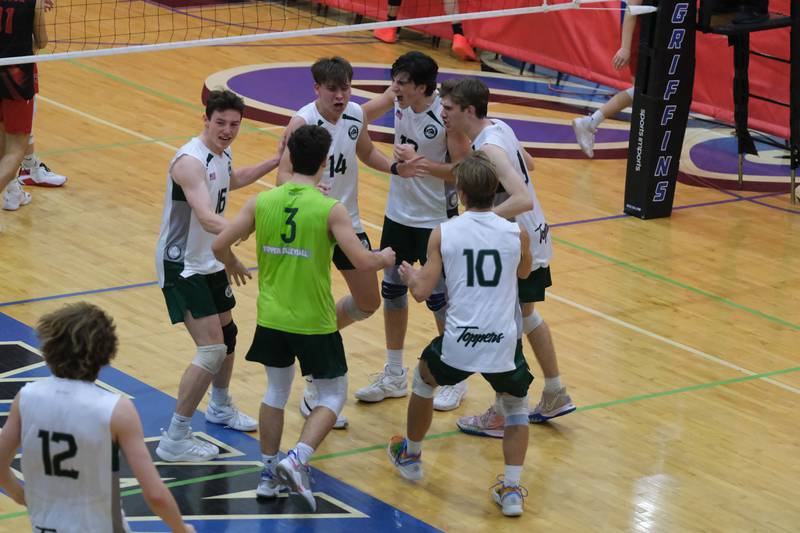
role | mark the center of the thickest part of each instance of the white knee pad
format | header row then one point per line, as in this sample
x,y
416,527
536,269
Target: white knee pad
x,y
629,91
531,322
419,387
515,409
332,393
210,357
352,310
279,386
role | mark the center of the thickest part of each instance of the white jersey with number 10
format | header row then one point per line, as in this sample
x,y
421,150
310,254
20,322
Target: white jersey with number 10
x,y
480,255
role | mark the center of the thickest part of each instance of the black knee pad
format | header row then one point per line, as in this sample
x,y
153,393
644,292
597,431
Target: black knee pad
x,y
229,332
436,301
390,291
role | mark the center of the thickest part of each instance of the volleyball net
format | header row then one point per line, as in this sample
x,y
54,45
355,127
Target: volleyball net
x,y
87,28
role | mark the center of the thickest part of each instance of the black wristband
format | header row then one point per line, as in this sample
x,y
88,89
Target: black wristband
x,y
393,169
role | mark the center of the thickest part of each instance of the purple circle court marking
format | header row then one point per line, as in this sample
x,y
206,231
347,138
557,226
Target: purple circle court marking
x,y
274,92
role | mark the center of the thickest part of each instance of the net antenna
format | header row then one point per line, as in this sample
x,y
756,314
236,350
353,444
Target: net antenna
x,y
184,24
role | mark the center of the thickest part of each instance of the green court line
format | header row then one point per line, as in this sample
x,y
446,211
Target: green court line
x,y
617,262
676,283
108,146
125,144
134,85
157,93
357,451
185,103
195,480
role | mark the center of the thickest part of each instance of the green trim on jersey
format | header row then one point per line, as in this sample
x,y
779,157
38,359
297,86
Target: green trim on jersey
x,y
294,250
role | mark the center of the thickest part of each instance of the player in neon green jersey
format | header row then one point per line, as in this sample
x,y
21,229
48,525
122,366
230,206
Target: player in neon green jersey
x,y
296,229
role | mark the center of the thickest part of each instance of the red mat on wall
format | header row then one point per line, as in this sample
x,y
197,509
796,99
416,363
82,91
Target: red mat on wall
x,y
582,42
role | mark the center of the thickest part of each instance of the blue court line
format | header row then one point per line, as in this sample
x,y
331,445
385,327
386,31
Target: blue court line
x,y
93,291
79,293
737,198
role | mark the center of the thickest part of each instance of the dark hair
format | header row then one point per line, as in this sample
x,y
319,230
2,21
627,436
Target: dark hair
x,y
477,178
421,69
222,100
308,148
336,70
467,92
77,341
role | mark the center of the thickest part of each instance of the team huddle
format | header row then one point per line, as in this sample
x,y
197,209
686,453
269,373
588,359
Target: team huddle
x,y
480,273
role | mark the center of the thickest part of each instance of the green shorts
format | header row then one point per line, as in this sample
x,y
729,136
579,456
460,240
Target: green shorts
x,y
531,289
409,243
514,382
341,261
199,294
321,356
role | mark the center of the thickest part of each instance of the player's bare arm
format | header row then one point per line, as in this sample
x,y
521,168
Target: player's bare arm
x,y
422,281
40,38
341,227
526,258
126,430
529,164
519,200
285,166
9,444
458,147
369,154
241,177
237,230
190,174
623,55
378,106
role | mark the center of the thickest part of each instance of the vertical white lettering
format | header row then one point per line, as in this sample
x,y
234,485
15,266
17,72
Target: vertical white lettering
x,y
662,167
665,140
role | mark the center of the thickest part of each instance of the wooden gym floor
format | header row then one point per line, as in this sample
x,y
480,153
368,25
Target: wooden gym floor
x,y
677,338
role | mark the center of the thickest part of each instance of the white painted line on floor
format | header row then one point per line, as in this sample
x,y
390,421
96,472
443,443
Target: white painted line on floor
x,y
665,340
594,312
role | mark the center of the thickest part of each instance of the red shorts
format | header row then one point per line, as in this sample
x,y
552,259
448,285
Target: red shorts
x,y
17,116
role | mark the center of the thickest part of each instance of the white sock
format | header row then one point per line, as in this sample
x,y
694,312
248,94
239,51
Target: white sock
x,y
413,447
178,426
512,476
394,362
596,118
270,461
220,396
29,161
303,452
552,384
